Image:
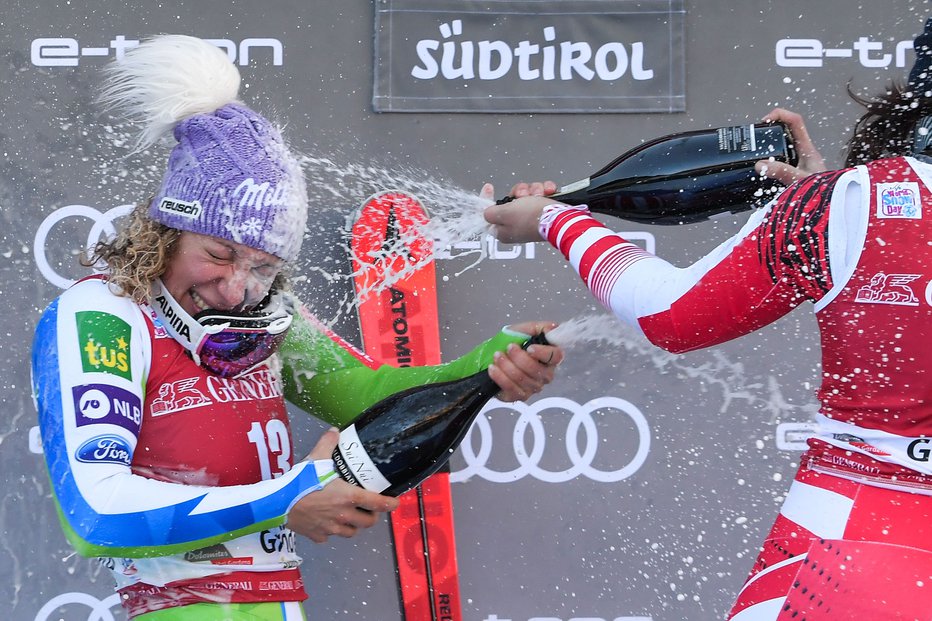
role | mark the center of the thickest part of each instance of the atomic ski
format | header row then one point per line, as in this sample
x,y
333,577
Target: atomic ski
x,y
396,293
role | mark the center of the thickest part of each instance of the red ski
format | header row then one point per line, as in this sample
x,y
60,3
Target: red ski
x,y
396,292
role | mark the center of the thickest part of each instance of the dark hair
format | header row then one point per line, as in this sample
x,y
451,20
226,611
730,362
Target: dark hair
x,y
886,127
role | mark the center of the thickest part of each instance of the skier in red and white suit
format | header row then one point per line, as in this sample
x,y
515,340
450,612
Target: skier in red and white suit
x,y
853,539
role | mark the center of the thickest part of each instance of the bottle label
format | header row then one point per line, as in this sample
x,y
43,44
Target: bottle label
x,y
737,138
579,185
354,464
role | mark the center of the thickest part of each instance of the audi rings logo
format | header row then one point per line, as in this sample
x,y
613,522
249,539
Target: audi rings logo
x,y
102,225
529,461
100,609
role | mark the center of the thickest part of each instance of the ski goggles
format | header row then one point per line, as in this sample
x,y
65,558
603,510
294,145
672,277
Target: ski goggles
x,y
227,344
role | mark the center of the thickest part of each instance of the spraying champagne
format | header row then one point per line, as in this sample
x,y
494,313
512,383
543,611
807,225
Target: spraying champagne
x,y
403,439
686,177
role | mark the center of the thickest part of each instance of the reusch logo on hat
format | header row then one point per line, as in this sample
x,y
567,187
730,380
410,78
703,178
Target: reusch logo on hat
x,y
187,209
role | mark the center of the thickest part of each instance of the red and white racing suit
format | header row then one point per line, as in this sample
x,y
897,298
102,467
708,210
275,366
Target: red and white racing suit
x,y
854,537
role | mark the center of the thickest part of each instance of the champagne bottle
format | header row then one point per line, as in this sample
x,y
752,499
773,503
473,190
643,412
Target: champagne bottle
x,y
403,439
686,177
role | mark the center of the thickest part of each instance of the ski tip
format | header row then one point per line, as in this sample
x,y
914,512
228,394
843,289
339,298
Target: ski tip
x,y
396,195
401,199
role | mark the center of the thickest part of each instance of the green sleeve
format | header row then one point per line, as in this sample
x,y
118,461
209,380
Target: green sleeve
x,y
331,380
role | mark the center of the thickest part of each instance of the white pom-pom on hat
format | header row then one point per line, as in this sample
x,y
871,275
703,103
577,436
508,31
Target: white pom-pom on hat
x,y
230,175
167,79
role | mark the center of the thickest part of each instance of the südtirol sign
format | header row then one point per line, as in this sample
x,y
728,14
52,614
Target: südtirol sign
x,y
529,56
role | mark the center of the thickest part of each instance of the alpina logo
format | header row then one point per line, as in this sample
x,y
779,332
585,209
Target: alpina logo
x,y
177,323
899,200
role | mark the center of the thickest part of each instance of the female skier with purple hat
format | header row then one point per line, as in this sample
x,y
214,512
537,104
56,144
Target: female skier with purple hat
x,y
161,384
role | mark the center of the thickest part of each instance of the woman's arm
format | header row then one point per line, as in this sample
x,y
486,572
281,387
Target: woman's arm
x,y
334,381
778,260
90,361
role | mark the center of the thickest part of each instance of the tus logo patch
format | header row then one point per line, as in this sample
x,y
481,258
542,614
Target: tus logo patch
x,y
104,340
105,449
100,403
899,200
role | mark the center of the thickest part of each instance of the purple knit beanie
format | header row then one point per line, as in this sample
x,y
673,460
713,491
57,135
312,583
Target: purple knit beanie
x,y
231,176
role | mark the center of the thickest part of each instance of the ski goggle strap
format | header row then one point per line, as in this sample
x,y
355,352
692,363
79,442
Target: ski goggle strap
x,y
227,344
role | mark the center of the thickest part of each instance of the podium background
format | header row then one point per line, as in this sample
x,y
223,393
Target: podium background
x,y
671,540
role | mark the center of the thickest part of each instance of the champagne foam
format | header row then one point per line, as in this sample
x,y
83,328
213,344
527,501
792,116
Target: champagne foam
x,y
592,329
455,213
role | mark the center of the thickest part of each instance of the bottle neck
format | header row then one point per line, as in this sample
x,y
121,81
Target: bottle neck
x,y
488,387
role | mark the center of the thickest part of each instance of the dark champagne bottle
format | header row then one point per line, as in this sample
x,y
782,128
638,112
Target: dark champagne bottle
x,y
686,177
403,439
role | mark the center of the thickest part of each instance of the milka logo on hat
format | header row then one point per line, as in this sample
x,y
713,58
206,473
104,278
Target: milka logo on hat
x,y
185,209
259,195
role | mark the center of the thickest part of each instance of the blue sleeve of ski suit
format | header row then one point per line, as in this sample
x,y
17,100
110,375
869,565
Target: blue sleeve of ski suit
x,y
90,360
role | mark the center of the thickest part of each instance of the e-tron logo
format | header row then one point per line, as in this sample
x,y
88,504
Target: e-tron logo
x,y
100,609
68,52
529,461
812,53
102,225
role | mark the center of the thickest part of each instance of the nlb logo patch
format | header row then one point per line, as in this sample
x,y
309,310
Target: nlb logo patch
x,y
100,403
105,449
104,340
899,200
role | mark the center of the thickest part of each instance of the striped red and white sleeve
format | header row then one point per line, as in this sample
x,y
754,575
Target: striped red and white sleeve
x,y
773,264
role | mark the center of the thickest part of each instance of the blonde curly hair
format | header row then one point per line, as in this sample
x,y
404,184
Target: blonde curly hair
x,y
137,255
140,253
